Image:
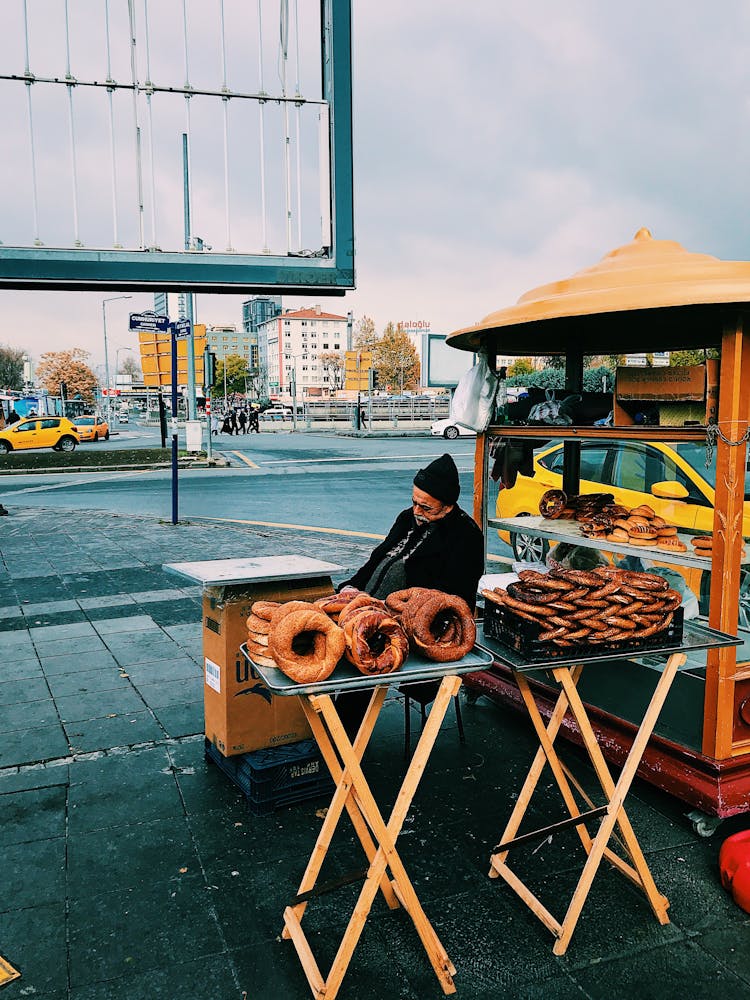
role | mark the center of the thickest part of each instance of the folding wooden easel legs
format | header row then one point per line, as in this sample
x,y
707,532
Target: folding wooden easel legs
x,y
613,813
377,837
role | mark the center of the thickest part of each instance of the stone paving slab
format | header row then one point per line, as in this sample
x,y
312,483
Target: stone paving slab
x,y
132,870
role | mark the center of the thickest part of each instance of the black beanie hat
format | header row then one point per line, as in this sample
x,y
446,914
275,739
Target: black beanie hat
x,y
440,479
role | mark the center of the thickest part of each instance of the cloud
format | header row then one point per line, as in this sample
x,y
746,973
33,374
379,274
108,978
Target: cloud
x,y
497,147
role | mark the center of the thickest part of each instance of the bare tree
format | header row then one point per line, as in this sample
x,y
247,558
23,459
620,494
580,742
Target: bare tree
x,y
334,365
365,336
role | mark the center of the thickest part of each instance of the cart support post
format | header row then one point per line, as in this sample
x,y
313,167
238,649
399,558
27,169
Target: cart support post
x,y
726,569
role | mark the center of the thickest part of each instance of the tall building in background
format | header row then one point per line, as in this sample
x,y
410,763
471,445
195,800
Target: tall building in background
x,y
227,339
256,312
290,345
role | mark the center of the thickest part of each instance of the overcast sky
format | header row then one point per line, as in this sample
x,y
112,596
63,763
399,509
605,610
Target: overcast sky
x,y
497,146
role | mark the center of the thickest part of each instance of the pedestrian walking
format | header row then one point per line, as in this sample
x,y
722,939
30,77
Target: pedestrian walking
x,y
215,424
253,421
226,426
233,422
243,422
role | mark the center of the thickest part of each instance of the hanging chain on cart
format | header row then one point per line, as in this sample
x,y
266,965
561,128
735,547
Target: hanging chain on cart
x,y
714,433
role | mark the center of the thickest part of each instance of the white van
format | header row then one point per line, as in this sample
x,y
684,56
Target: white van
x,y
277,413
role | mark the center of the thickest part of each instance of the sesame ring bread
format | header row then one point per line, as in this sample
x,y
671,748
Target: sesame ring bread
x,y
375,642
264,609
441,627
306,644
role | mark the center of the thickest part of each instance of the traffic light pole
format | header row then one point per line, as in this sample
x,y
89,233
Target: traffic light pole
x,y
207,387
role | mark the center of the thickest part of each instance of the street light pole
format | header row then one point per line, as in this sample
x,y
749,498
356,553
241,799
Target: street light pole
x,y
117,365
112,298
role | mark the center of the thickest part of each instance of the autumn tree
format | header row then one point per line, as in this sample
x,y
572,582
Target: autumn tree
x,y
237,374
365,335
69,367
696,357
333,364
395,359
11,367
521,366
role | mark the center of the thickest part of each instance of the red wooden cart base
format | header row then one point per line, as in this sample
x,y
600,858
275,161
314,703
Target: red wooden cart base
x,y
717,787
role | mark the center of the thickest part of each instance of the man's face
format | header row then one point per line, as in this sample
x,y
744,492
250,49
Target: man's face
x,y
426,508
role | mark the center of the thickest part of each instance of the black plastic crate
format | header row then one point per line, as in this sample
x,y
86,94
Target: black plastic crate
x,y
276,776
523,636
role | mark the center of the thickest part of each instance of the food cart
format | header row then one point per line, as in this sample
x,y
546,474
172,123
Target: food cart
x,y
648,295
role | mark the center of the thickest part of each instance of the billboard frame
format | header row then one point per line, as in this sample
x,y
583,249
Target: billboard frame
x,y
331,272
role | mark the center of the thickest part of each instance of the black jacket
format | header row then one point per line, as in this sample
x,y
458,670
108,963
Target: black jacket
x,y
451,559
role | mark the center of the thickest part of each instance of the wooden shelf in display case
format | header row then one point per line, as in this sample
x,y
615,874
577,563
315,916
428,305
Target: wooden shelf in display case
x,y
562,530
634,433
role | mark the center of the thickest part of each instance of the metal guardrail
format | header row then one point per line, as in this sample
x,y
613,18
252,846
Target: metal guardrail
x,y
381,409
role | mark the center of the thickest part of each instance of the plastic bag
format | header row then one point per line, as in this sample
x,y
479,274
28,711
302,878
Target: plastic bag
x,y
473,402
549,412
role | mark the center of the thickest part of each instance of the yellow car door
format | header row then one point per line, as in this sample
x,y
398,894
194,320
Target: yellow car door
x,y
643,470
25,434
49,432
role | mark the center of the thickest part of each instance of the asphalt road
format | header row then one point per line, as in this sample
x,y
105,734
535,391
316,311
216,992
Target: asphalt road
x,y
305,479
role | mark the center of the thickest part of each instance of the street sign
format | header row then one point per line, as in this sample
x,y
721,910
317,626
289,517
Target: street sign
x,y
149,322
181,328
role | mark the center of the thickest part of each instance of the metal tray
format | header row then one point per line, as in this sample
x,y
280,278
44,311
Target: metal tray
x,y
694,636
346,678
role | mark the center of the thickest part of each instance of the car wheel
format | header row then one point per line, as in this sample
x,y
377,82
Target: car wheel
x,y
106,436
528,548
451,433
67,443
4,447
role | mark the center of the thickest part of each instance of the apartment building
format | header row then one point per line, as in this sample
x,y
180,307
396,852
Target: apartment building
x,y
289,349
225,340
256,312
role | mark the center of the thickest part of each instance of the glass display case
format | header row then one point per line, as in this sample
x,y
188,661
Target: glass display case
x,y
648,295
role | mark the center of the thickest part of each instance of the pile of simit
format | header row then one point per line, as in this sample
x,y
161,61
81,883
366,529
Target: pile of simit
x,y
599,516
307,640
601,606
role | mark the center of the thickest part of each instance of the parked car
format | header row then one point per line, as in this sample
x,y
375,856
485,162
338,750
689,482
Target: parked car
x,y
447,428
92,428
671,478
122,416
58,433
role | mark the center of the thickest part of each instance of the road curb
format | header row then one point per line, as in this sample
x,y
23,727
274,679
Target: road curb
x,y
113,468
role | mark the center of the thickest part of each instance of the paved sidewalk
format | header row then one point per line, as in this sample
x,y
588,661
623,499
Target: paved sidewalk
x,y
131,869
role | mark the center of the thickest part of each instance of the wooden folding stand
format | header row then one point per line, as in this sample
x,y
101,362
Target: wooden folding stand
x,y
612,814
385,871
353,792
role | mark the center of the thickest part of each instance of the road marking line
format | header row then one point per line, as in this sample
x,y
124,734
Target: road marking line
x,y
325,531
245,459
295,527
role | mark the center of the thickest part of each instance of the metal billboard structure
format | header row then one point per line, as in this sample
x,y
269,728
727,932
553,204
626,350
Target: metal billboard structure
x,y
173,119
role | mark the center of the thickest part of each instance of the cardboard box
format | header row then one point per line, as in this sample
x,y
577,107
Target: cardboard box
x,y
241,713
670,397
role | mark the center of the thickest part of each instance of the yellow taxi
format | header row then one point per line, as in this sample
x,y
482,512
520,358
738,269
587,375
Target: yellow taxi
x,y
671,478
92,428
58,433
